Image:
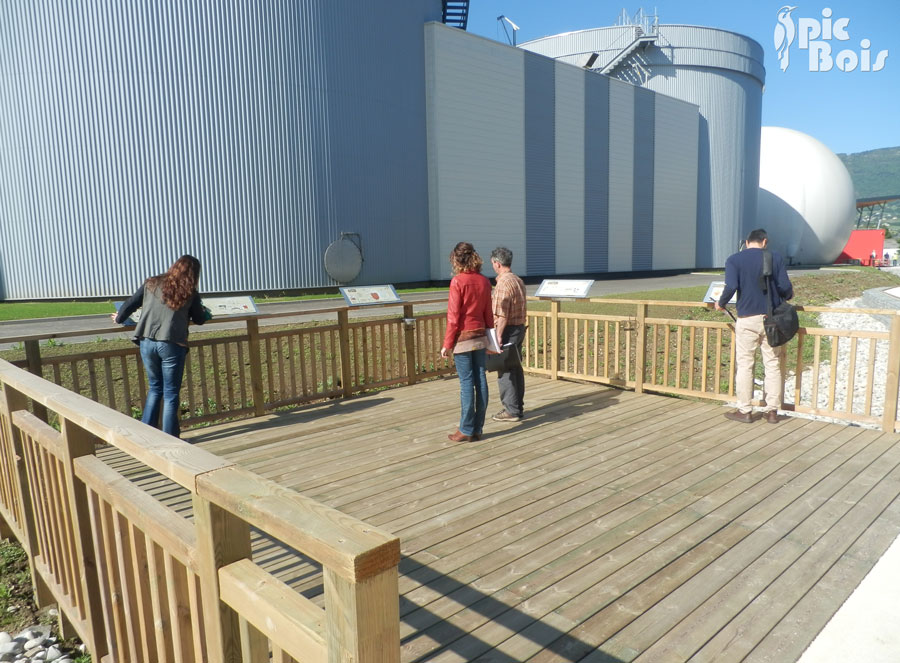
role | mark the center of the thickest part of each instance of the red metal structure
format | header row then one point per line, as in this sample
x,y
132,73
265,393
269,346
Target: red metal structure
x,y
865,247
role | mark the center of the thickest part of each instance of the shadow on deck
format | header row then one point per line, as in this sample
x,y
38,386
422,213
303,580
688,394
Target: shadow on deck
x,y
607,526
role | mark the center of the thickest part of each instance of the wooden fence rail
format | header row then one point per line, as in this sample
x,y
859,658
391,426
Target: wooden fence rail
x,y
696,358
251,373
139,582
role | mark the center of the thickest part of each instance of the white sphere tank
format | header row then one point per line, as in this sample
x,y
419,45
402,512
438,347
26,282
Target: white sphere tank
x,y
807,203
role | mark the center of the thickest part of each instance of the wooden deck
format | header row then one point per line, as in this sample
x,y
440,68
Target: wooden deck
x,y
607,526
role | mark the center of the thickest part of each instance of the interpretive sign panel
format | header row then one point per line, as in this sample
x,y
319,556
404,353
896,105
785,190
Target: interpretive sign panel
x,y
238,305
370,294
716,288
564,288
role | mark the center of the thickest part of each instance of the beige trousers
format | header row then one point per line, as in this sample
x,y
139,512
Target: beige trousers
x,y
749,335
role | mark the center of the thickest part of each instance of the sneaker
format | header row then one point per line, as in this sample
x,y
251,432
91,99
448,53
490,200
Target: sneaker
x,y
503,415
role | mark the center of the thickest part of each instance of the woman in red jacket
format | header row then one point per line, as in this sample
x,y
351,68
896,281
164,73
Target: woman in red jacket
x,y
469,316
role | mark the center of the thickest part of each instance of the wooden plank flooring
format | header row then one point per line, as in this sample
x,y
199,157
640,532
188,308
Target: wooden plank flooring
x,y
607,526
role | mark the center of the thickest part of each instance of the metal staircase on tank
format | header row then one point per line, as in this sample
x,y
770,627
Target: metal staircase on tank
x,y
456,13
629,63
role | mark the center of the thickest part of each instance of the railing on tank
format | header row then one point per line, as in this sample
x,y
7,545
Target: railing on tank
x,y
696,357
137,581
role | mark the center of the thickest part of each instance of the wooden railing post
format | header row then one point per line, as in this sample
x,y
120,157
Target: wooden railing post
x,y
640,349
77,443
892,383
554,340
256,379
409,334
34,365
16,401
222,538
346,359
362,618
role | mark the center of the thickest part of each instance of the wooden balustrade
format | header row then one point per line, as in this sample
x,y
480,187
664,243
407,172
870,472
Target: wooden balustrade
x,y
696,358
247,374
140,582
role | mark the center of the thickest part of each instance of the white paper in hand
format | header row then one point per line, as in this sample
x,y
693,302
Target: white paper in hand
x,y
493,341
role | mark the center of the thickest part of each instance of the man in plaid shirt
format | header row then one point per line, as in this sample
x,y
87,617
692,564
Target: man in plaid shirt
x,y
509,320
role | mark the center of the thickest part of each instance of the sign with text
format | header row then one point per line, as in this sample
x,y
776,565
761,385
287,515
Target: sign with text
x,y
564,288
716,288
238,305
370,294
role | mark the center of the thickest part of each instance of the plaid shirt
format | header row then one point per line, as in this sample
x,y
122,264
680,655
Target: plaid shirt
x,y
509,299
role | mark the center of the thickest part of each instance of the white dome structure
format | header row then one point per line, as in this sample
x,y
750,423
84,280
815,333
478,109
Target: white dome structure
x,y
806,199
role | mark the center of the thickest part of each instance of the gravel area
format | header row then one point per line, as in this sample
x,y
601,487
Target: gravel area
x,y
34,644
856,322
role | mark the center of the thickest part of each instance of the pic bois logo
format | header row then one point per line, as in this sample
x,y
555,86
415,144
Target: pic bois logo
x,y
820,37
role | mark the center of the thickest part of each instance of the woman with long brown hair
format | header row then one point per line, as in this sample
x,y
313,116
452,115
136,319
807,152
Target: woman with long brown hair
x,y
469,316
168,303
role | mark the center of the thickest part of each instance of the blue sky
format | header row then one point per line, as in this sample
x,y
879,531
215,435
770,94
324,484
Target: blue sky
x,y
849,111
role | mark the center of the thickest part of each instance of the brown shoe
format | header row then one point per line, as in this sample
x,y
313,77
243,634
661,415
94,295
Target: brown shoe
x,y
772,417
737,415
460,437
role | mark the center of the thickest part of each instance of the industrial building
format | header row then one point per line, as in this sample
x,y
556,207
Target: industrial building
x,y
256,136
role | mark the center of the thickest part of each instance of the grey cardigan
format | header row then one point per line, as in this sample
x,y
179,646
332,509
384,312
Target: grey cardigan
x,y
158,322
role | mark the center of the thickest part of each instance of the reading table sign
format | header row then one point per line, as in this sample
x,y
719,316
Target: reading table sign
x,y
564,288
370,294
238,305
716,288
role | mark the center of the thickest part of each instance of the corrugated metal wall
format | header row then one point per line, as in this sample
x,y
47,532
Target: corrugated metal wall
x,y
558,164
621,175
248,134
570,160
476,146
721,72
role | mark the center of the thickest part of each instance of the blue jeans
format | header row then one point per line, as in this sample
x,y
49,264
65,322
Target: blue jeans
x,y
473,390
164,363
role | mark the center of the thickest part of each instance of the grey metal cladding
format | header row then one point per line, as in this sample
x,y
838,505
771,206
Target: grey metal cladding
x,y
596,174
540,164
240,132
722,73
644,130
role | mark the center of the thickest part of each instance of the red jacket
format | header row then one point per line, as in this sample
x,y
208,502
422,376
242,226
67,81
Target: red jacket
x,y
469,306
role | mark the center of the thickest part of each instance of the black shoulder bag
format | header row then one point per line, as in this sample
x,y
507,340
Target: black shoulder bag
x,y
780,323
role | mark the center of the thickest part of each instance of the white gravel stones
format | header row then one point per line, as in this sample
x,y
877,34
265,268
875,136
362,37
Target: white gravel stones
x,y
32,645
861,366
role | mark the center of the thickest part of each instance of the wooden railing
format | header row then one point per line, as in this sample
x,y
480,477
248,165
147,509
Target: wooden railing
x,y
254,371
696,358
139,582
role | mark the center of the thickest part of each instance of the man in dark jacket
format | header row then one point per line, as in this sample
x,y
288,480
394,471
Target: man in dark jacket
x,y
743,274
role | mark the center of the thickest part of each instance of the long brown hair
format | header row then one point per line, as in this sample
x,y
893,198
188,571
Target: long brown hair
x,y
179,284
464,258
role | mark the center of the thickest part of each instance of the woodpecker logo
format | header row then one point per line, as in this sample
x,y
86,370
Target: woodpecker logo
x,y
816,36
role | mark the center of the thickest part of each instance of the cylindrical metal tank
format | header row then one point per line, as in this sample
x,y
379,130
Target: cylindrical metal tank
x,y
251,135
720,71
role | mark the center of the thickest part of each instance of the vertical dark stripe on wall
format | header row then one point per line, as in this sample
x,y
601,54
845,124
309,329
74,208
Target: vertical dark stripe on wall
x,y
596,174
540,164
644,122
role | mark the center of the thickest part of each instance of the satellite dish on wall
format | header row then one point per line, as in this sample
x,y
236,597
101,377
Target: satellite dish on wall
x,y
343,258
